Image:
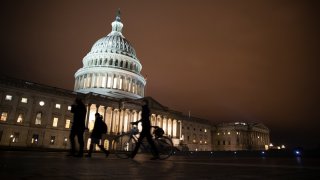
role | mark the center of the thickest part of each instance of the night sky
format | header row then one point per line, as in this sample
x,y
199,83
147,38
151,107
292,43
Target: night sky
x,y
225,61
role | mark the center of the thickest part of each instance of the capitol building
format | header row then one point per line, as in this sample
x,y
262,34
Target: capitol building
x,y
110,82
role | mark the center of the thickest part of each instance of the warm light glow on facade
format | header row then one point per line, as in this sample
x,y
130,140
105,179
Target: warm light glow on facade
x,y
67,125
55,122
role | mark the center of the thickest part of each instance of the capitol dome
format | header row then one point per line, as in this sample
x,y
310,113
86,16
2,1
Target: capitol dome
x,y
114,44
111,67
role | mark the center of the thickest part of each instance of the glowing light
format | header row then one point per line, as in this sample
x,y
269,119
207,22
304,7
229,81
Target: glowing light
x,y
41,103
8,97
58,106
24,100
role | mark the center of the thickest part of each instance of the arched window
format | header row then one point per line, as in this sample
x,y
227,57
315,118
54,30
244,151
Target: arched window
x,y
100,62
110,62
20,118
105,62
116,63
121,63
126,65
38,118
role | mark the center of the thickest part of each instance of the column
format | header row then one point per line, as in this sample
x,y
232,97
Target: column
x,y
88,113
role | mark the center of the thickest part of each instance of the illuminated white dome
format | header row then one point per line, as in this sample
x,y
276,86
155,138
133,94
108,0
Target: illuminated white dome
x,y
111,67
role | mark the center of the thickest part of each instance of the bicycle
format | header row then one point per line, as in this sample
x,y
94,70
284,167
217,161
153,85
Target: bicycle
x,y
125,143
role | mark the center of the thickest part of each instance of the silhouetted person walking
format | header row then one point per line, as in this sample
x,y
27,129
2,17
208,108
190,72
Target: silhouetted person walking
x,y
99,128
146,127
78,126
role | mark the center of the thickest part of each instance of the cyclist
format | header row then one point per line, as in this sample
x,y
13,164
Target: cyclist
x,y
146,127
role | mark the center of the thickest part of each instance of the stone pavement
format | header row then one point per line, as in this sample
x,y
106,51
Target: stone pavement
x,y
55,165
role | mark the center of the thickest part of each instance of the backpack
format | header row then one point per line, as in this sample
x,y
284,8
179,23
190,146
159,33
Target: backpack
x,y
104,127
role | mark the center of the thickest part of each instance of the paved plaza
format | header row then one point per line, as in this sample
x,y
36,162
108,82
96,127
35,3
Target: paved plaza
x,y
56,165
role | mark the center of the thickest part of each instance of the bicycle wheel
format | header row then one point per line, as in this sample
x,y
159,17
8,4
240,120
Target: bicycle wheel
x,y
164,146
123,146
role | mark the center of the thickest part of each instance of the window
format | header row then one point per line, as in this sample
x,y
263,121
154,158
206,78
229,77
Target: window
x,y
205,130
69,108
24,100
4,116
35,139
41,103
224,142
58,106
228,133
8,97
20,118
52,140
38,118
67,123
55,122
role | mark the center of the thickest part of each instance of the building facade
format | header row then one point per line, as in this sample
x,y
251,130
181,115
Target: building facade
x,y
35,115
239,136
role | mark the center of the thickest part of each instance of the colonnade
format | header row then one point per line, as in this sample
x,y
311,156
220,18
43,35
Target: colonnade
x,y
259,138
111,81
118,120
